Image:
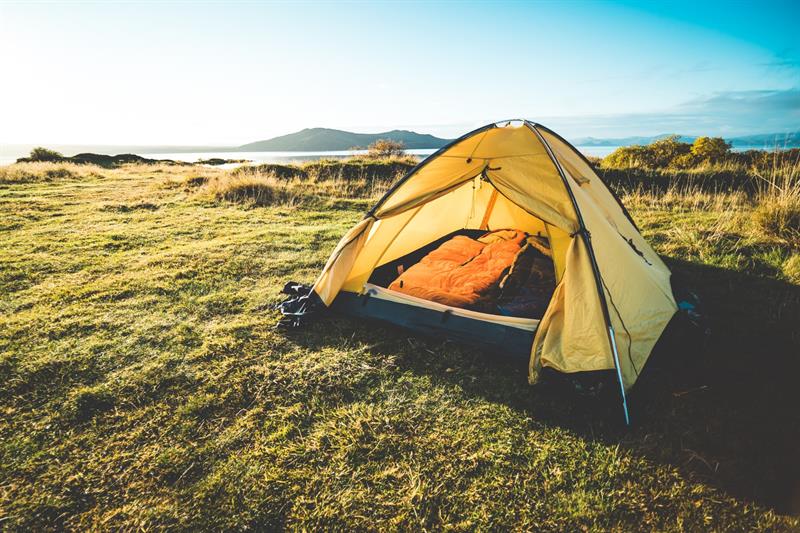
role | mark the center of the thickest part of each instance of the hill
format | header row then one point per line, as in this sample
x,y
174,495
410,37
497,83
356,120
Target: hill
x,y
325,139
625,141
782,140
113,161
763,140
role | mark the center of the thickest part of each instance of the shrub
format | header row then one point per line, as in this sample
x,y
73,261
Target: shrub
x,y
684,161
710,148
383,148
664,151
706,154
668,152
41,154
625,157
658,154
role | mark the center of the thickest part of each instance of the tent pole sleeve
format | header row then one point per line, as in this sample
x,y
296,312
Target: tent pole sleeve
x,y
587,240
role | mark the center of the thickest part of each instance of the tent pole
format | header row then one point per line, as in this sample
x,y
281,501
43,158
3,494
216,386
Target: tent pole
x,y
619,373
587,240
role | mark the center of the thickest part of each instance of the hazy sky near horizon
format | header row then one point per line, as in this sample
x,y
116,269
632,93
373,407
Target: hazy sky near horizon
x,y
234,72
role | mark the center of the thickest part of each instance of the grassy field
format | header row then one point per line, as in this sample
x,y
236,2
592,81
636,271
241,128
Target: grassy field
x,y
145,387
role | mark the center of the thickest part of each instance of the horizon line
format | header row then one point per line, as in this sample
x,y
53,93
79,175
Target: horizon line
x,y
5,144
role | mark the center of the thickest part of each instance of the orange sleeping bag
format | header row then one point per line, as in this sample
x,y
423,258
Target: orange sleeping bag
x,y
462,270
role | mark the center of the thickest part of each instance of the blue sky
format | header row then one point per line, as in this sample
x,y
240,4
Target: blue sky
x,y
228,73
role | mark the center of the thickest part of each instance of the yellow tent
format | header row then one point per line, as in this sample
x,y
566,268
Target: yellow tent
x,y
612,297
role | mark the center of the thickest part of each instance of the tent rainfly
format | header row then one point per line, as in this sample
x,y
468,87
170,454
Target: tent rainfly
x,y
611,297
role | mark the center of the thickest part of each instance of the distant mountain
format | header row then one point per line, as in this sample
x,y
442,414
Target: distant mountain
x,y
763,140
768,140
325,140
625,141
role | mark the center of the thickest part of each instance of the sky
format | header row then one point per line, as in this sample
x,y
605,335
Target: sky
x,y
213,73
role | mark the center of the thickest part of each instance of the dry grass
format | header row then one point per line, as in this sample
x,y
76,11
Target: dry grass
x,y
47,172
685,198
735,230
779,216
791,268
350,188
252,190
756,227
778,202
732,176
265,185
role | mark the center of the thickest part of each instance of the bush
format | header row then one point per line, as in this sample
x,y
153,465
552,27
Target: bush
x,y
625,157
658,154
705,154
383,148
663,153
41,154
684,161
712,149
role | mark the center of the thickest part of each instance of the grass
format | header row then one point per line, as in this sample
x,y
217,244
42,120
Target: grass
x,y
319,181
753,172
778,211
251,190
45,172
780,217
144,386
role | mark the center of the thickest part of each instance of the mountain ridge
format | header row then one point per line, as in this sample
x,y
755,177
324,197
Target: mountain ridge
x,y
785,139
294,142
328,139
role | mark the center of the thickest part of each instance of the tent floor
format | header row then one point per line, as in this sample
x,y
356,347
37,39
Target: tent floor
x,y
512,341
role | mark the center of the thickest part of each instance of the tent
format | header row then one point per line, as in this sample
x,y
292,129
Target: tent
x,y
612,297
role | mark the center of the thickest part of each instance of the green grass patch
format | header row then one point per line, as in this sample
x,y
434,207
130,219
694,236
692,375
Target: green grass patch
x,y
145,387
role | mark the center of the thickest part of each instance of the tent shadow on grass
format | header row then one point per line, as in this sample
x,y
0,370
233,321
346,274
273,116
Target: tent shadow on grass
x,y
723,409
727,409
